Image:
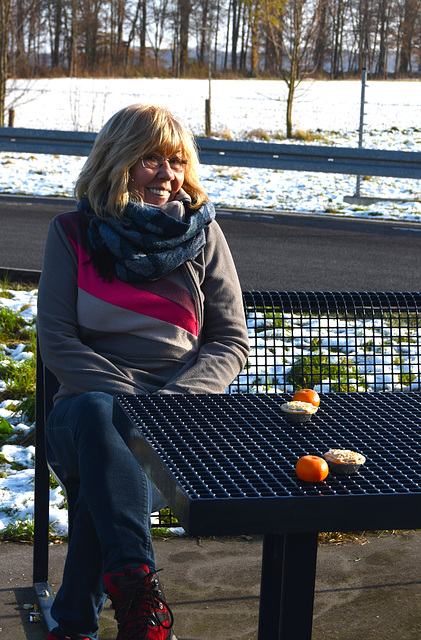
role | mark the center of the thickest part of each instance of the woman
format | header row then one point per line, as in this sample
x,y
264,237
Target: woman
x,y
138,295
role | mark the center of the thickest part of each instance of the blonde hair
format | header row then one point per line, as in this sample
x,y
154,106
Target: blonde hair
x,y
128,135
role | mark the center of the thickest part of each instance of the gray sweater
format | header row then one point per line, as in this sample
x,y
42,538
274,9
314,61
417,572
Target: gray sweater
x,y
185,333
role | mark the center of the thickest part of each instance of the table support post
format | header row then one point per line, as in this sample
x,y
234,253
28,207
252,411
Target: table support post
x,y
270,586
287,586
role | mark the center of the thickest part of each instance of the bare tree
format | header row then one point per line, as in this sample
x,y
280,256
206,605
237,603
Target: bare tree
x,y
157,27
321,36
184,12
383,25
412,8
55,17
218,17
117,17
73,37
90,24
363,28
273,26
140,11
299,21
20,38
5,25
205,23
284,38
202,27
245,37
236,14
338,15
254,11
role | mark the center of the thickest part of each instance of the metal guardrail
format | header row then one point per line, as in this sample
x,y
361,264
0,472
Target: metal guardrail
x,y
353,161
372,162
67,143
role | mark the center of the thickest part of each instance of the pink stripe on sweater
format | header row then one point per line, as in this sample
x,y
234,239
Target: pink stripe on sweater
x,y
123,295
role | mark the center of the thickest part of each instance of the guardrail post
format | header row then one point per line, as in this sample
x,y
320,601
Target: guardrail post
x,y
360,136
207,118
11,117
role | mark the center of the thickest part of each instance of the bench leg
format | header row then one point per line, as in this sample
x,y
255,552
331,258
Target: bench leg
x,y
41,516
45,602
287,586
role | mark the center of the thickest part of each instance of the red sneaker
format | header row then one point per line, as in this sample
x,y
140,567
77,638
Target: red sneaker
x,y
139,604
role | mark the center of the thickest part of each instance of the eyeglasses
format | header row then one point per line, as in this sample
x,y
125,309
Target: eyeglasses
x,y
155,161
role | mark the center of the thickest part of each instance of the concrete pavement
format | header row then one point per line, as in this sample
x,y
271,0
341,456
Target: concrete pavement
x,y
369,589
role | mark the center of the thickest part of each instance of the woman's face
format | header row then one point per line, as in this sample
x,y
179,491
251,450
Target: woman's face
x,y
157,178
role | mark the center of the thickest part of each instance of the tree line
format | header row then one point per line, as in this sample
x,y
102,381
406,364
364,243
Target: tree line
x,y
245,37
288,39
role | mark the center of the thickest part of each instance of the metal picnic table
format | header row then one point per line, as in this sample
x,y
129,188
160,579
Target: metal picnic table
x,y
226,466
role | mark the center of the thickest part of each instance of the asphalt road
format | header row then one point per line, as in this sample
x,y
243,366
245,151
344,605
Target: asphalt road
x,y
280,251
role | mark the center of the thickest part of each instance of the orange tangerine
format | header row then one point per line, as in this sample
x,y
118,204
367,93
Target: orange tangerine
x,y
307,395
312,468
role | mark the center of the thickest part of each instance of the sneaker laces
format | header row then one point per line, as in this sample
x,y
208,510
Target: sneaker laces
x,y
139,605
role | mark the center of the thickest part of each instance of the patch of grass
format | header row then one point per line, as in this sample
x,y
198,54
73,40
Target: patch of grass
x,y
332,210
279,136
5,293
6,430
359,537
26,408
19,377
168,518
223,134
308,136
259,134
3,459
14,328
236,175
7,286
309,371
162,533
18,531
273,321
229,173
53,482
22,530
11,324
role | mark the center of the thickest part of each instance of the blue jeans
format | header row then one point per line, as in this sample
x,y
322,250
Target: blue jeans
x,y
111,527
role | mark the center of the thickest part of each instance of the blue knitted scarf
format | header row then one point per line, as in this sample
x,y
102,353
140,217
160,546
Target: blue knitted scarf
x,y
147,243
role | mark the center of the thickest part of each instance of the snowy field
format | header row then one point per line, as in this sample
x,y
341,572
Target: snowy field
x,y
240,108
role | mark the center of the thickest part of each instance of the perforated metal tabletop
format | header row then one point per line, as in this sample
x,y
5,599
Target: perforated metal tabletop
x,y
226,463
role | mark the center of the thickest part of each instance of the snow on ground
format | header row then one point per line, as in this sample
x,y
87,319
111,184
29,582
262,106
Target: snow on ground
x,y
240,108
